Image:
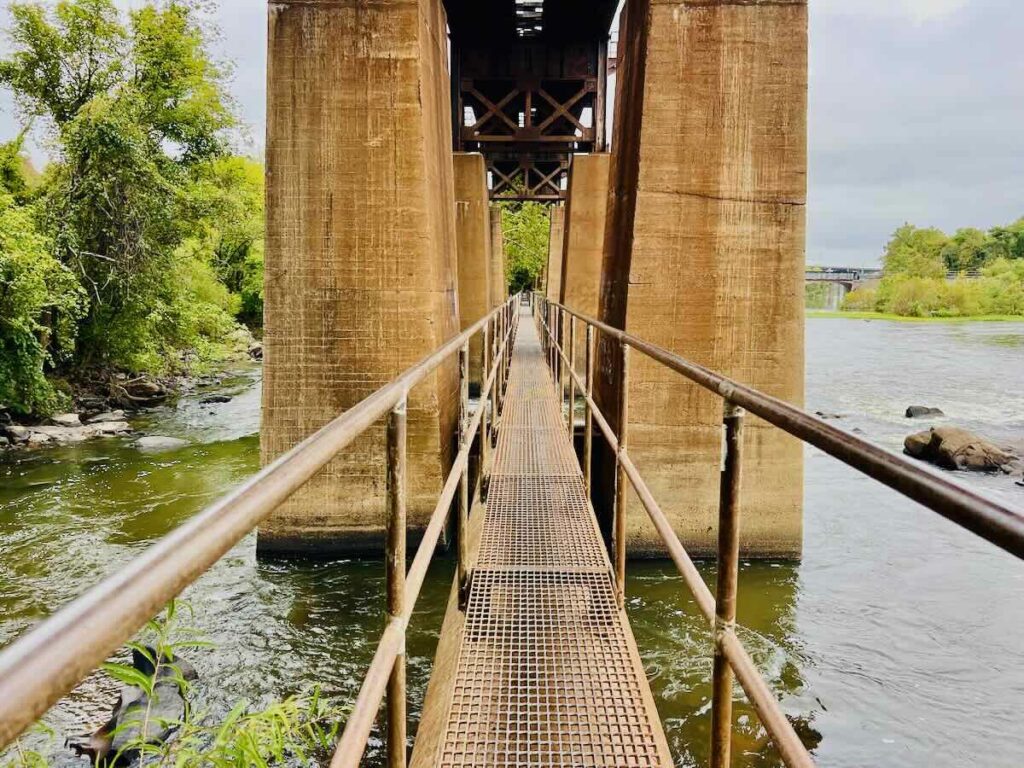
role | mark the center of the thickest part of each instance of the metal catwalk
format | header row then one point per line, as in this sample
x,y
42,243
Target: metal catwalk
x,y
548,672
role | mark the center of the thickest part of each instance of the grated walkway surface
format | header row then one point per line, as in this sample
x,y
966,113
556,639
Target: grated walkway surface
x,y
547,672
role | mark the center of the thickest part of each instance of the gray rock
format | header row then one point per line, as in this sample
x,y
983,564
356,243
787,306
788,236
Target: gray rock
x,y
4,442
156,443
106,416
215,399
828,416
918,411
66,420
256,351
955,448
36,437
111,428
17,433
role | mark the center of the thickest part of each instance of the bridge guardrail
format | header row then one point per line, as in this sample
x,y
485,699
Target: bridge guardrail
x,y
45,663
998,524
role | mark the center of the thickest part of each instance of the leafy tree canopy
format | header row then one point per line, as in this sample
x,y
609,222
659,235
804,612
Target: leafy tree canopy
x,y
526,227
142,201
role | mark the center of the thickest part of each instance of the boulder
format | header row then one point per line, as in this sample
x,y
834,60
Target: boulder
x,y
215,399
145,392
66,420
256,350
108,428
17,433
156,443
955,448
36,437
919,411
828,416
4,442
917,444
106,416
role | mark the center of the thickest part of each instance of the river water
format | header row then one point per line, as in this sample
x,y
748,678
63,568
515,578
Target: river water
x,y
896,641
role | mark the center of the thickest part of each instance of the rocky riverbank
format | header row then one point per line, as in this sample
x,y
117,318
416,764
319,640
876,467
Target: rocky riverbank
x,y
105,406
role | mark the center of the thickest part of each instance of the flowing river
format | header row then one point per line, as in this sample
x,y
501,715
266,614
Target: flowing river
x,y
896,641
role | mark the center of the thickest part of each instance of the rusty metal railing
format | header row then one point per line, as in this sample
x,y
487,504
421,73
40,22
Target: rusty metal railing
x,y
44,664
994,522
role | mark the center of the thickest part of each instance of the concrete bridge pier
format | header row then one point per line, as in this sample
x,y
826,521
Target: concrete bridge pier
x,y
476,270
583,249
360,257
499,282
704,255
556,234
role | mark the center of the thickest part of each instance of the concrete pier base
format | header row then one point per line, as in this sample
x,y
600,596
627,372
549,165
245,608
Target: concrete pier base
x,y
360,257
473,234
704,255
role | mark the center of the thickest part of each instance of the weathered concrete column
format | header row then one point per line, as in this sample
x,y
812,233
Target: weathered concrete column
x,y
553,273
360,258
583,251
499,282
473,232
704,254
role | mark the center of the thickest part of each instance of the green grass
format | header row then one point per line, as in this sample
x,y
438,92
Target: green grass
x,y
903,319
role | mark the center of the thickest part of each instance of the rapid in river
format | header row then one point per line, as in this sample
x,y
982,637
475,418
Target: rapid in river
x,y
896,641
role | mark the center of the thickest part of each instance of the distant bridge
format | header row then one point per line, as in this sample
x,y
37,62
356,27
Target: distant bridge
x,y
848,275
840,281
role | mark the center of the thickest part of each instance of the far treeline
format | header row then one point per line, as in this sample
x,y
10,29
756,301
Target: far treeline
x,y
930,274
139,247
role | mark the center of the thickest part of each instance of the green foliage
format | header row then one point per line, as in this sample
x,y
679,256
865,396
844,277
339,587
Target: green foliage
x,y
816,295
301,728
526,227
142,204
40,302
915,282
915,252
226,199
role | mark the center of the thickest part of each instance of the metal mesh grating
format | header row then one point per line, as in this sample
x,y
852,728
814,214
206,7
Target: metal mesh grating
x,y
539,522
547,674
545,677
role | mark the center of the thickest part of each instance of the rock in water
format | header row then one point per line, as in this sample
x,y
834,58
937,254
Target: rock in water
x,y
66,420
106,416
955,448
117,741
215,399
918,411
155,443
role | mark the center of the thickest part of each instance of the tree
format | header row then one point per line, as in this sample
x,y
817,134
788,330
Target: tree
x,y
137,109
33,286
526,227
1007,242
915,252
967,250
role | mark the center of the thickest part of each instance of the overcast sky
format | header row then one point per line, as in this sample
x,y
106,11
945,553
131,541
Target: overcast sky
x,y
916,114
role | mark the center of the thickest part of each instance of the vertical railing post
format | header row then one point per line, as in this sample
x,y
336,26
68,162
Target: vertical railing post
x,y
728,579
558,357
588,424
463,522
395,577
572,381
551,337
620,481
484,398
493,394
